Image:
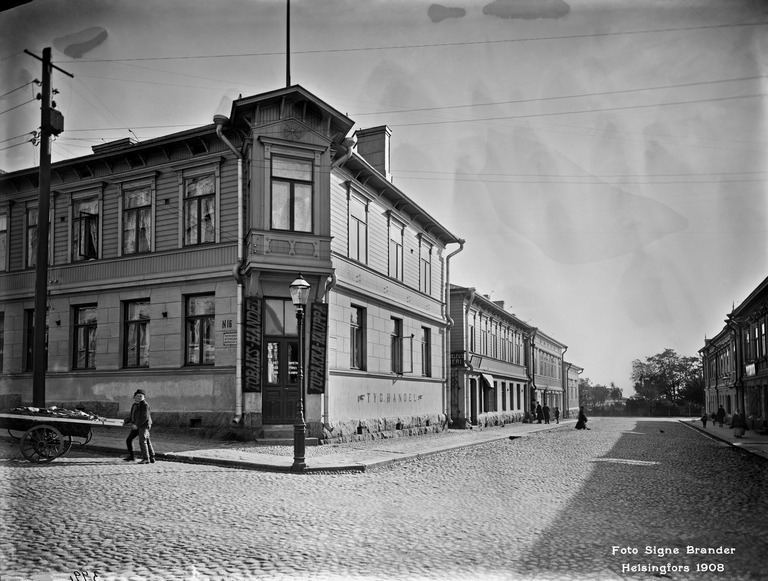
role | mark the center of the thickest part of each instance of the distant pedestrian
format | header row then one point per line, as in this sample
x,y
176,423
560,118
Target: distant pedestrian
x,y
557,415
713,417
581,424
539,413
546,413
720,416
141,422
704,419
737,423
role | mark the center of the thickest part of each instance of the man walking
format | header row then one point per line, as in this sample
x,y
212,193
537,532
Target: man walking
x,y
141,422
720,416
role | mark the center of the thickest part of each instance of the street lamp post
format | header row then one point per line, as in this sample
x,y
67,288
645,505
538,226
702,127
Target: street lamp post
x,y
299,296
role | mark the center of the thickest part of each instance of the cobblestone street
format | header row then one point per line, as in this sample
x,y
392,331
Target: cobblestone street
x,y
561,504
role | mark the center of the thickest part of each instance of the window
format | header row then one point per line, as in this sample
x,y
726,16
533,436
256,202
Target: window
x,y
425,268
85,229
291,194
395,250
357,338
503,396
137,334
31,237
280,318
358,229
137,220
85,337
426,352
29,359
3,241
200,337
200,209
397,345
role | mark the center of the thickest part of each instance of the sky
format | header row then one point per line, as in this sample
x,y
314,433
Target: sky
x,y
605,160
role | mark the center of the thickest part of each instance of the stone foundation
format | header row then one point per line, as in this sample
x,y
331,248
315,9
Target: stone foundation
x,y
493,419
383,428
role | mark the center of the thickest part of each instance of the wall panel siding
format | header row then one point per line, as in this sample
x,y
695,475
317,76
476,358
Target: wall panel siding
x,y
378,239
167,212
339,218
110,220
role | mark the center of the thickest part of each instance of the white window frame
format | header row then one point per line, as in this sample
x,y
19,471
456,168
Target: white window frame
x,y
134,184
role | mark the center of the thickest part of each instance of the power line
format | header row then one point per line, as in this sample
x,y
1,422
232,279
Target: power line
x,y
574,112
18,88
17,106
433,45
577,96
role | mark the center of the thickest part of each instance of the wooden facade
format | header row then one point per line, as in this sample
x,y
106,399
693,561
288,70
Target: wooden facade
x,y
170,262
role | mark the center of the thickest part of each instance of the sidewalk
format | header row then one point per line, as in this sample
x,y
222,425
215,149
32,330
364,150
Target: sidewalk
x,y
751,441
353,456
186,446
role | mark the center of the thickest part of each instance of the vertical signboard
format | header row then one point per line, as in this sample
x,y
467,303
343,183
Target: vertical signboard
x,y
252,359
318,347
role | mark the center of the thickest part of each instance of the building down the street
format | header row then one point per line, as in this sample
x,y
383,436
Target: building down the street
x,y
735,362
170,263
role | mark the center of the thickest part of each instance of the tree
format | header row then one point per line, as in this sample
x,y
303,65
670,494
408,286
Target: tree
x,y
669,377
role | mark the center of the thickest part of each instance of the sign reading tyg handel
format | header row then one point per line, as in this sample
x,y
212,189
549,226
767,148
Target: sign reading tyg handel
x,y
318,347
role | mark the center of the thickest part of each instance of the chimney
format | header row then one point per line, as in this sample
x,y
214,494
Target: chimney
x,y
373,146
499,304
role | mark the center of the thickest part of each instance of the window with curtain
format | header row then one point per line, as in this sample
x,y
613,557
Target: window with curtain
x,y
85,230
84,345
200,210
200,325
137,220
136,334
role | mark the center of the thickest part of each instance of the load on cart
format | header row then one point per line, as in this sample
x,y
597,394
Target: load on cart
x,y
44,434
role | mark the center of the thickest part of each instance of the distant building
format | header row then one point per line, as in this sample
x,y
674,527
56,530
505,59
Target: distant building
x,y
500,365
748,322
170,262
571,396
719,368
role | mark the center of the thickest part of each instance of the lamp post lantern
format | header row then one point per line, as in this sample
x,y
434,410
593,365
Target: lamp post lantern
x,y
299,296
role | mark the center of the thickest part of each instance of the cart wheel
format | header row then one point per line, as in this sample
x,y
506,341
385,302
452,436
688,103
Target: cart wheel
x,y
42,444
66,444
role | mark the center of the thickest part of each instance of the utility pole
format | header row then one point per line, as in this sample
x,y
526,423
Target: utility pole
x,y
288,44
51,123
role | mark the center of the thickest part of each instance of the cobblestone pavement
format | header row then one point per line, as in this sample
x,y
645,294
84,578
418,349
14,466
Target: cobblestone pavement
x,y
556,505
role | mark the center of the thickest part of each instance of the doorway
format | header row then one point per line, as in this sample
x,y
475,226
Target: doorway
x,y
281,383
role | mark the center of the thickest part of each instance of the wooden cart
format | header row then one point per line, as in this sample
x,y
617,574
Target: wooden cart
x,y
45,436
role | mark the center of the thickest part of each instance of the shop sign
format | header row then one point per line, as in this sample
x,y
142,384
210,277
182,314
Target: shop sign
x,y
457,358
252,365
318,348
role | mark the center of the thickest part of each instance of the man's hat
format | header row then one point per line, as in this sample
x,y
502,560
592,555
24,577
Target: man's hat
x,y
139,392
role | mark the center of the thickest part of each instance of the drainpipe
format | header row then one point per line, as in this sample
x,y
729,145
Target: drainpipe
x,y
220,121
329,284
564,378
449,322
347,145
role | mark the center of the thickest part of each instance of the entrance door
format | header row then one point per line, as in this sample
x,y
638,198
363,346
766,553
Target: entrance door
x,y
281,384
